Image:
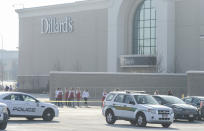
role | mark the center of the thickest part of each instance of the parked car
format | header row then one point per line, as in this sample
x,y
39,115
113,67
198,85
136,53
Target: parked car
x,y
197,101
180,108
137,108
3,116
24,105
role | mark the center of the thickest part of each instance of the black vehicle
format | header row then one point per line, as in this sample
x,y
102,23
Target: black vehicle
x,y
197,101
180,108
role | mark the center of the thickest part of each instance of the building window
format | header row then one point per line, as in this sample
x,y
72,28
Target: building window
x,y
144,29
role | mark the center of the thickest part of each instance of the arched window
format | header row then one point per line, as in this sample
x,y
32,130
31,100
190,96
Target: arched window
x,y
144,29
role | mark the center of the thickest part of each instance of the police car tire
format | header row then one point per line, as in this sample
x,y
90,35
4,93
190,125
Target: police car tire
x,y
48,115
3,125
110,117
166,125
141,120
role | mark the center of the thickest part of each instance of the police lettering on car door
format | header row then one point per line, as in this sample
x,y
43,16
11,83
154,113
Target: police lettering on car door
x,y
24,109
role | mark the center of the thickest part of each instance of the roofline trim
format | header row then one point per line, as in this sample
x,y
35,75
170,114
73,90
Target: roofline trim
x,y
64,8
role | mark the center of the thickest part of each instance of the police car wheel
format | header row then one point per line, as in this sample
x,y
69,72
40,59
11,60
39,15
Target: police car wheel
x,y
110,118
133,122
141,120
166,125
30,118
48,115
3,125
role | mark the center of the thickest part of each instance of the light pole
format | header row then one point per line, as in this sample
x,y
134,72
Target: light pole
x,y
2,64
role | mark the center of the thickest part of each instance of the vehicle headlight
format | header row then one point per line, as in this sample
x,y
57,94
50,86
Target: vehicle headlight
x,y
153,111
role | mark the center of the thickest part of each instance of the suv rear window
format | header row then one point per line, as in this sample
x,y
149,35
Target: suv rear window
x,y
110,97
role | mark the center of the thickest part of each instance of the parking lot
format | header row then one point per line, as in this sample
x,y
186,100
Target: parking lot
x,y
88,119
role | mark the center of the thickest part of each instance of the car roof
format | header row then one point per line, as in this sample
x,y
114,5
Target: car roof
x,y
164,95
2,94
129,92
199,97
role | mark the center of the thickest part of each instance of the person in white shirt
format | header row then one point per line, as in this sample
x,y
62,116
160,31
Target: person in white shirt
x,y
85,96
56,96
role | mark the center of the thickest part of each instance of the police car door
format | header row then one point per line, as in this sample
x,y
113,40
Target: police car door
x,y
128,107
16,104
32,107
118,104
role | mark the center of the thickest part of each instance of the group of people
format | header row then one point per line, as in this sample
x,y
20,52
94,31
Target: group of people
x,y
170,93
71,96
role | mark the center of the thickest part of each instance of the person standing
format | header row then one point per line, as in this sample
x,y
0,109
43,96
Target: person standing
x,y
78,96
10,88
85,96
7,88
56,96
60,94
72,96
66,96
104,95
170,93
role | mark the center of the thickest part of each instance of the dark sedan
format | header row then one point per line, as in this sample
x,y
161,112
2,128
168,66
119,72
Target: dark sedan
x,y
180,108
197,101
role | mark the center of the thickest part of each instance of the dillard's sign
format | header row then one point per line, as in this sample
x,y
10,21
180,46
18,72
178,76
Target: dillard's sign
x,y
54,25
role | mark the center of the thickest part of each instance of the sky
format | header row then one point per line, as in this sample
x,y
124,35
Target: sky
x,y
9,27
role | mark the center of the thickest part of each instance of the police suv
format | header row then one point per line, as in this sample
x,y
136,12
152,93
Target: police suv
x,y
24,105
3,116
138,108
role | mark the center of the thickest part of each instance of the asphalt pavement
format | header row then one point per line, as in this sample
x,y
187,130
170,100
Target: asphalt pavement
x,y
91,119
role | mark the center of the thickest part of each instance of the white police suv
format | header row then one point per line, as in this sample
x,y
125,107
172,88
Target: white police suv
x,y
24,105
3,116
138,108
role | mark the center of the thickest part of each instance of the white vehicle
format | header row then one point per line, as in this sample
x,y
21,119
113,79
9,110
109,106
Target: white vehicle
x,y
137,108
3,116
24,105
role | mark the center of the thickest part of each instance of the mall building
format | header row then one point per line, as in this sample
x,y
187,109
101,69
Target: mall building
x,y
112,36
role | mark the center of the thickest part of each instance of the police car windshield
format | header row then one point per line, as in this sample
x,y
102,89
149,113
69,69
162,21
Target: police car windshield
x,y
173,100
145,99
